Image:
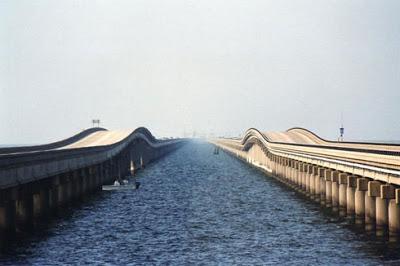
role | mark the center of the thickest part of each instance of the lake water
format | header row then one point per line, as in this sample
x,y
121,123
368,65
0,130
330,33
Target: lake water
x,y
194,207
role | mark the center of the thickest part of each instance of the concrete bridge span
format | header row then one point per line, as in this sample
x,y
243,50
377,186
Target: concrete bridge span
x,y
357,181
37,180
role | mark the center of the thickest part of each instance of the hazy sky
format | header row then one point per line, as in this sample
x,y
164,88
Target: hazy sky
x,y
206,65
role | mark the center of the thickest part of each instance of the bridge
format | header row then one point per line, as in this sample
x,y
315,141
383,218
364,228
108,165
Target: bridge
x,y
38,180
357,181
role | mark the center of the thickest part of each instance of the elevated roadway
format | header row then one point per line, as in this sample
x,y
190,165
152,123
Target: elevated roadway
x,y
37,180
359,180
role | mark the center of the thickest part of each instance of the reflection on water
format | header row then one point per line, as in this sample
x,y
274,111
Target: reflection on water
x,y
200,208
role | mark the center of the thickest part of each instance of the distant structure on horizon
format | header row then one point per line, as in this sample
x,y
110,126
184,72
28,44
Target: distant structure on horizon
x,y
341,132
341,129
96,122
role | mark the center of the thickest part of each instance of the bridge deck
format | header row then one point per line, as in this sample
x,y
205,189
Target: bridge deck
x,y
378,161
100,138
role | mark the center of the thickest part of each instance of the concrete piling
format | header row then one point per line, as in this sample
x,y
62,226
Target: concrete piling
x,y
342,194
317,184
387,193
24,212
328,188
335,191
394,216
350,196
322,186
370,205
359,200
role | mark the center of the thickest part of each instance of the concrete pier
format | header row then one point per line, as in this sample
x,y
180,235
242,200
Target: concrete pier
x,y
382,209
359,200
7,219
24,212
308,180
328,188
313,171
350,197
394,216
342,194
41,205
304,178
317,184
370,205
335,191
322,186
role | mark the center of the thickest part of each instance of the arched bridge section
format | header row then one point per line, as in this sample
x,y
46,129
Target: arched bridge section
x,y
358,179
38,179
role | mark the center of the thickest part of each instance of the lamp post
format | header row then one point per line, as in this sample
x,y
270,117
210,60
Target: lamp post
x,y
96,121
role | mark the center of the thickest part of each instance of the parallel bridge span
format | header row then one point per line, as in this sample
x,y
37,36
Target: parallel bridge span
x,y
38,180
358,180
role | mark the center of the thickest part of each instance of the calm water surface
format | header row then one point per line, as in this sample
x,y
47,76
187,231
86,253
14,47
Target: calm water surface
x,y
197,208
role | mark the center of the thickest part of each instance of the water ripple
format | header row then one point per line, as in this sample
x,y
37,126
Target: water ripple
x,y
197,208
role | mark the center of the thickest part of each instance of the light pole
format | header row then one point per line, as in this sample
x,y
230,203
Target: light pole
x,y
96,121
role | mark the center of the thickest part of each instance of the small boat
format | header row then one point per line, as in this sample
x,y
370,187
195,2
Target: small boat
x,y
216,151
124,185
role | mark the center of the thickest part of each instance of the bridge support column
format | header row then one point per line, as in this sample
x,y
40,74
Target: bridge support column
x,y
95,184
77,185
53,198
272,158
62,192
294,174
7,220
350,196
322,186
370,205
394,216
84,181
382,209
68,188
304,178
299,175
312,181
308,180
285,170
335,191
290,172
24,211
342,194
359,200
99,174
328,188
89,180
109,171
277,165
41,203
317,185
